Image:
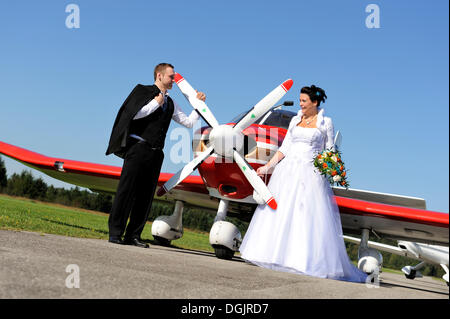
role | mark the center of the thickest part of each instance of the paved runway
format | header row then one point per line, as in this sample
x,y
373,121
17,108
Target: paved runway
x,y
34,265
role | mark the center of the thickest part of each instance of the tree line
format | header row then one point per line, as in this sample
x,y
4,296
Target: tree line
x,y
26,185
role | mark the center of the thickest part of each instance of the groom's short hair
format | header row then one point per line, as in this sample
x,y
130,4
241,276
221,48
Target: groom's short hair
x,y
160,68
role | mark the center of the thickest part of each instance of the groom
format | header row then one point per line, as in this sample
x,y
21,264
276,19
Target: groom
x,y
138,137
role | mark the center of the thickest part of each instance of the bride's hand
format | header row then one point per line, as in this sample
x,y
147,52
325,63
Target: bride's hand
x,y
263,170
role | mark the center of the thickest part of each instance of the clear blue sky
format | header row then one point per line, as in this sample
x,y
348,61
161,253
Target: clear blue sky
x,y
60,88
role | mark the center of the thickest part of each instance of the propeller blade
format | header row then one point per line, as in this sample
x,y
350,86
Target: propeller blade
x,y
200,106
254,180
264,105
185,172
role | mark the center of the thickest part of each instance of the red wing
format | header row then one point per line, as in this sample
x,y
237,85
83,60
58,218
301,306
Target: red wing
x,y
393,221
104,178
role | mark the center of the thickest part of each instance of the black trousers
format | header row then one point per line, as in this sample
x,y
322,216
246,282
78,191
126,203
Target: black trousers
x,y
134,196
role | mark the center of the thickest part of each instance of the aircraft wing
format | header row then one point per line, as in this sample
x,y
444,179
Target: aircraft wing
x,y
387,215
393,221
105,178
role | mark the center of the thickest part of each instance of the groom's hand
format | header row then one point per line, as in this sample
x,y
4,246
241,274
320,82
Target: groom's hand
x,y
201,96
160,99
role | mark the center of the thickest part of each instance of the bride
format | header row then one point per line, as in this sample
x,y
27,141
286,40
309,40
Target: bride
x,y
304,234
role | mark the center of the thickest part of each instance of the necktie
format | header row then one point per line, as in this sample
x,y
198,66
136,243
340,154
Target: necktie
x,y
164,107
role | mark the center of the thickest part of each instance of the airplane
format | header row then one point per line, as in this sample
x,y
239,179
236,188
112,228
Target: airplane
x,y
425,253
226,157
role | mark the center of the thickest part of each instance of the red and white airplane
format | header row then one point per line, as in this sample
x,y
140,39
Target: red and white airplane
x,y
226,157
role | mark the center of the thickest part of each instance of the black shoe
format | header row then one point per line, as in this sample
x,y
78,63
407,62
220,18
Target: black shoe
x,y
115,240
136,242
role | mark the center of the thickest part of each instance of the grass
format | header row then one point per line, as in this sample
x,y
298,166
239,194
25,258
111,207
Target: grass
x,y
47,218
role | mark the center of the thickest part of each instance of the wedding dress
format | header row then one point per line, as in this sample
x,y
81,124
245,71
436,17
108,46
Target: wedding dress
x,y
304,234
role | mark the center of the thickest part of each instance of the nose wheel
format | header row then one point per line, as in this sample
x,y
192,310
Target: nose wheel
x,y
161,241
223,252
224,237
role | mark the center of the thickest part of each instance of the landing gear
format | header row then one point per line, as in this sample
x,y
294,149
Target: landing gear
x,y
411,275
167,228
161,241
369,260
223,252
412,272
224,237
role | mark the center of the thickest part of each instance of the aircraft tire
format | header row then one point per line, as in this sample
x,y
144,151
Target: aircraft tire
x,y
161,241
411,275
223,252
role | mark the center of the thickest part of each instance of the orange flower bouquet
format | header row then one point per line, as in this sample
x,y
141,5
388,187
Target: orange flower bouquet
x,y
330,164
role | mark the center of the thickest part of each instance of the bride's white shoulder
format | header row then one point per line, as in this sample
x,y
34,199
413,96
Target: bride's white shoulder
x,y
294,121
328,121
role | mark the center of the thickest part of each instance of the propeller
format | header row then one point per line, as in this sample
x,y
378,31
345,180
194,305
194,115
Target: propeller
x,y
255,180
263,106
227,141
198,105
185,172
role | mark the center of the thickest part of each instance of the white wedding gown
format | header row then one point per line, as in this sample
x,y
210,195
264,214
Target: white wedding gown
x,y
304,234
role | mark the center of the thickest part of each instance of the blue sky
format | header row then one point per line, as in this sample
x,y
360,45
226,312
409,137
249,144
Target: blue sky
x,y
387,87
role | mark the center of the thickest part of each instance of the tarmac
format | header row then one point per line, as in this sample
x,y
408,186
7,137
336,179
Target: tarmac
x,y
43,266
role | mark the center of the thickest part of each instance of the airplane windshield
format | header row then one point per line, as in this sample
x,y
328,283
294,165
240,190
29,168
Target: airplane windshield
x,y
279,118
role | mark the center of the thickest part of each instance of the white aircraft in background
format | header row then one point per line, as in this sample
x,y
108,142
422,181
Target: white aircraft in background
x,y
431,254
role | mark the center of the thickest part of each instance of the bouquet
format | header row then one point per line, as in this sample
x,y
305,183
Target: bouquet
x,y
330,164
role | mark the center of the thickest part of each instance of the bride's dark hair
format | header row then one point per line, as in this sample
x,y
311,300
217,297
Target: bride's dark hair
x,y
315,93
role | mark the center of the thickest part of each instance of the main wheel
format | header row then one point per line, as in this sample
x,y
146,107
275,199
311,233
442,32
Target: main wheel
x,y
223,252
161,241
411,275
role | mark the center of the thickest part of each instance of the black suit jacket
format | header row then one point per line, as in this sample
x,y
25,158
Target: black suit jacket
x,y
140,96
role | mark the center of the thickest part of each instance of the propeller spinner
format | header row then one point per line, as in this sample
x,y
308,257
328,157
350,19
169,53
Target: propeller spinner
x,y
227,141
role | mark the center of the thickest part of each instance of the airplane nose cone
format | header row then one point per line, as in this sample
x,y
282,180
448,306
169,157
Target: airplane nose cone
x,y
225,140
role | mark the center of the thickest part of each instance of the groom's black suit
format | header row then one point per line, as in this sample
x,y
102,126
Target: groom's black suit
x,y
142,160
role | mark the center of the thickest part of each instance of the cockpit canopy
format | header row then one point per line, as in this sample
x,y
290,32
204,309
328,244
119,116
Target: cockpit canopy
x,y
279,118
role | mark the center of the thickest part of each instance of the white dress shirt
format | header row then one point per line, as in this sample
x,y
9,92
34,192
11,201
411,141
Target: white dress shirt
x,y
178,115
